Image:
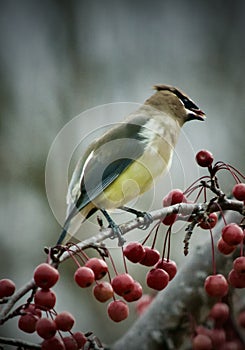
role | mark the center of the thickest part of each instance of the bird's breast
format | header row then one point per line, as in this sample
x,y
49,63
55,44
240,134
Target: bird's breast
x,y
139,176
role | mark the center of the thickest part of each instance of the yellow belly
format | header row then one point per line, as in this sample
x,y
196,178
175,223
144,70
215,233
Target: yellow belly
x,y
136,179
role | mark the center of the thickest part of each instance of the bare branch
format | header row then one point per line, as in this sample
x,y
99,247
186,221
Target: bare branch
x,y
184,209
17,296
19,343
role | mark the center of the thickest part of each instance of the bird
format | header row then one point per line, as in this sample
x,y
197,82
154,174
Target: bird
x,y
124,162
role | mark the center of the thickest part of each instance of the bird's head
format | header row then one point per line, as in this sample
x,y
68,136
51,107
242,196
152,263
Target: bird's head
x,y
175,103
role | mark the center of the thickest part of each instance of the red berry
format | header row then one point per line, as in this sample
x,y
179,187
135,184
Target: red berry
x,y
64,321
122,284
45,276
53,343
218,337
46,328
237,280
27,322
157,279
219,313
70,343
204,158
135,294
201,342
174,197
239,265
99,266
203,330
84,276
80,339
169,266
216,285
134,251
143,303
241,319
7,288
225,248
151,257
232,234
169,219
118,310
239,191
103,291
32,309
210,222
45,299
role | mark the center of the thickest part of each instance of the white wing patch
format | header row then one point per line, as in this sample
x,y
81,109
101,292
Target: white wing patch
x,y
74,192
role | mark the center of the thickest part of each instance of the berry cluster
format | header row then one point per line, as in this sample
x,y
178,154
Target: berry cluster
x,y
123,284
49,327
218,334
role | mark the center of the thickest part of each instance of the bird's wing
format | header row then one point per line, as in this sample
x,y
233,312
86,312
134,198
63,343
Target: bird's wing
x,y
105,159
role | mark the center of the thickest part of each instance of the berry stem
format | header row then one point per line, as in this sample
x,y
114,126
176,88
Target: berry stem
x,y
72,256
213,253
155,236
149,234
199,193
233,171
167,238
189,189
222,214
124,261
113,265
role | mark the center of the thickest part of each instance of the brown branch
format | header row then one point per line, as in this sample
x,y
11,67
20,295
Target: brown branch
x,y
18,343
12,300
184,209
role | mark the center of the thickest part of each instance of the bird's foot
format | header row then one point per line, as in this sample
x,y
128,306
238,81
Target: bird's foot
x,y
140,214
117,233
147,220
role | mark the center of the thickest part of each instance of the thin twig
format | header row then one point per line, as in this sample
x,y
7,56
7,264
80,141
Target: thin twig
x,y
19,343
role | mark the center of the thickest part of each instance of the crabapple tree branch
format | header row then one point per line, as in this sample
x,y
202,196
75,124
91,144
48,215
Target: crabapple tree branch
x,y
18,343
185,210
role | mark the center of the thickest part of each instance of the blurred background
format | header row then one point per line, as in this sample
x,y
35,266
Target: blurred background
x,y
62,58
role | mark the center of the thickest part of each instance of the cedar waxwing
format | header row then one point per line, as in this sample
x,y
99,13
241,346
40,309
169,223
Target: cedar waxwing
x,y
123,163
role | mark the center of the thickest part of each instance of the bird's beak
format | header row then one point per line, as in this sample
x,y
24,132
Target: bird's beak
x,y
200,114
196,114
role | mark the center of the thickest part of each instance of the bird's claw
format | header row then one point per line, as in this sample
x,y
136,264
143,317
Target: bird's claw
x,y
147,220
117,233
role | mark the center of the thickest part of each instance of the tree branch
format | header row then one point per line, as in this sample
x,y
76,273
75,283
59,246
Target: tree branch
x,y
12,300
184,209
20,344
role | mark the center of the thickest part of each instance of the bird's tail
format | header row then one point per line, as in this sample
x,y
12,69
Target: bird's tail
x,y
70,227
73,222
64,233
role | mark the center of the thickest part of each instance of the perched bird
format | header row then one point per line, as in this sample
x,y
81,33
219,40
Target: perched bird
x,y
123,163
